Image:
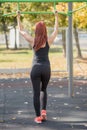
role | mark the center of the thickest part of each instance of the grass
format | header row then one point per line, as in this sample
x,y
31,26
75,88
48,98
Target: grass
x,y
22,58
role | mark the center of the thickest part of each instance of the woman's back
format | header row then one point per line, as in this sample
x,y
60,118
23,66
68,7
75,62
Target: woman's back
x,y
41,55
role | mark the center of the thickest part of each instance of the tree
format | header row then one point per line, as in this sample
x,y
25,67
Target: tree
x,y
79,54
4,26
80,22
8,20
62,7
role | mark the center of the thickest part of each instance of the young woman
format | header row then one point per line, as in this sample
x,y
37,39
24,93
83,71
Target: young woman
x,y
40,72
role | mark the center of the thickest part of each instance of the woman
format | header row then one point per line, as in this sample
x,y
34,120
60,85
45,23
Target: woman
x,y
40,72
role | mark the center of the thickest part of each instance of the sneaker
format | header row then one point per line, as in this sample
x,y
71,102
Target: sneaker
x,y
38,119
44,115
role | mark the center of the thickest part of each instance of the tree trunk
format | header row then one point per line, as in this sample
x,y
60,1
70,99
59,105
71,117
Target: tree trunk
x,y
79,55
15,38
64,42
4,28
15,23
6,39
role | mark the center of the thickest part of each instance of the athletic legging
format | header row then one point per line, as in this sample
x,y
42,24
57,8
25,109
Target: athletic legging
x,y
40,75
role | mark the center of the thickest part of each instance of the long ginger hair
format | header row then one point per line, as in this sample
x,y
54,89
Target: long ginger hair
x,y
40,35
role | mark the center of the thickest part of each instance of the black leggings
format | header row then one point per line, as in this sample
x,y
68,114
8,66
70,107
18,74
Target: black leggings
x,y
40,75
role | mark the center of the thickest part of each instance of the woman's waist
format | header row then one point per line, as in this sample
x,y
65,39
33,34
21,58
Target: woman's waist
x,y
41,62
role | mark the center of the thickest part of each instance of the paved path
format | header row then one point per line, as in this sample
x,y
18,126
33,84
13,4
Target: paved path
x,y
64,113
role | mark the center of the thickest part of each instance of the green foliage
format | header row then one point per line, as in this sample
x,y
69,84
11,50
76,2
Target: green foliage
x,y
29,20
80,17
33,18
7,8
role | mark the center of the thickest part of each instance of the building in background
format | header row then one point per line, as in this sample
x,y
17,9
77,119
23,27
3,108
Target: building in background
x,y
20,41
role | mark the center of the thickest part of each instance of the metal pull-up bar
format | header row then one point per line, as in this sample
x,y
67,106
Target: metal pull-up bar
x,y
43,0
42,12
32,12
35,12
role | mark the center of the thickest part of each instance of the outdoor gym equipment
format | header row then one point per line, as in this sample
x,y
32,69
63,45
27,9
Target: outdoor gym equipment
x,y
44,12
69,31
43,1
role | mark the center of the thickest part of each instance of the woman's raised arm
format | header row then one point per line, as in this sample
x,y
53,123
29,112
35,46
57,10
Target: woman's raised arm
x,y
54,34
28,37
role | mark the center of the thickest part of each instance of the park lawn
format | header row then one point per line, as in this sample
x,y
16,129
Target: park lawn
x,y
15,58
22,58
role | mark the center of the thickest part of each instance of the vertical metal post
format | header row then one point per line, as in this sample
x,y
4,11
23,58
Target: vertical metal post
x,y
18,6
54,5
67,48
70,53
